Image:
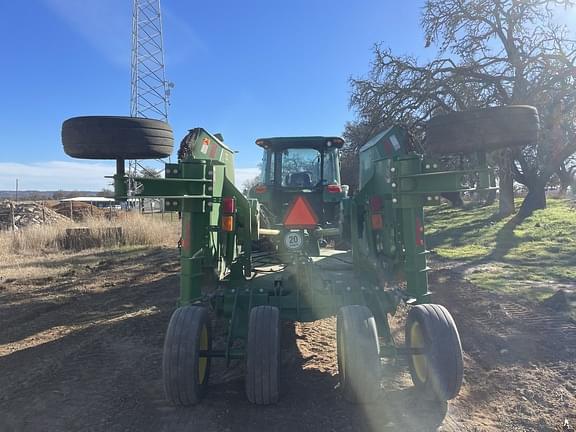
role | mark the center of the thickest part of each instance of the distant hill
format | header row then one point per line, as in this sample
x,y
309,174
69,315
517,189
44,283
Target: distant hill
x,y
40,195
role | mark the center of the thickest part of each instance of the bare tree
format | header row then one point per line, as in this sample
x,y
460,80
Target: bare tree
x,y
489,52
106,193
145,171
249,184
355,135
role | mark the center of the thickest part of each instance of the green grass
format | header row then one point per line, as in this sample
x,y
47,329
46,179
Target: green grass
x,y
502,255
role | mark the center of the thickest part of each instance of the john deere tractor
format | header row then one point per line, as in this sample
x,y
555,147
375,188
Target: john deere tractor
x,y
297,204
301,176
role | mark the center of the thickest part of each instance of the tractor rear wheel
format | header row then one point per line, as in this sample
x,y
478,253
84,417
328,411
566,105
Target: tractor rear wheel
x,y
185,370
263,355
358,354
438,369
110,137
482,129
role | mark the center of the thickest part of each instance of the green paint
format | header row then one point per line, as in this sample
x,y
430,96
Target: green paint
x,y
396,184
220,263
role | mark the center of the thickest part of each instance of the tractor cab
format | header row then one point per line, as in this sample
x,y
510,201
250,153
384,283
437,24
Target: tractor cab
x,y
300,170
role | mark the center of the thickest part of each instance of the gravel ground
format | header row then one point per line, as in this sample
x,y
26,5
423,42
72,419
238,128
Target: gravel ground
x,y
82,351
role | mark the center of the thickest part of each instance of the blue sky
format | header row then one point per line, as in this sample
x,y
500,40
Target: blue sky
x,y
246,69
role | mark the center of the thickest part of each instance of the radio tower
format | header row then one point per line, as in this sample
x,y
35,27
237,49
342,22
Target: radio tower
x,y
150,91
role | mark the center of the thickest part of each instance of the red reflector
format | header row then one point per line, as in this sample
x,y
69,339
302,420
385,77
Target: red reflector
x,y
260,189
375,203
228,205
377,223
419,233
300,215
333,188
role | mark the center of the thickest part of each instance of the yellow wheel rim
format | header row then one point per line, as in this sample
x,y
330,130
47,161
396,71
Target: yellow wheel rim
x,y
418,360
203,361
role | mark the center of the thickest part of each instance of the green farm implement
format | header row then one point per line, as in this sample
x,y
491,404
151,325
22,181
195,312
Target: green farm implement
x,y
229,240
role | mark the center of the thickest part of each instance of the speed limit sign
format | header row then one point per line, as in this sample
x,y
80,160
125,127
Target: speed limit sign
x,y
294,240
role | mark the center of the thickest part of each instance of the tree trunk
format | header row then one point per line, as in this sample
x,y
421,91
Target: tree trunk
x,y
566,177
491,195
536,198
506,199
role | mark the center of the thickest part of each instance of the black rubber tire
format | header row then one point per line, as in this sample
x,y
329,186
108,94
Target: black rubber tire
x,y
358,353
109,137
483,129
263,355
184,382
440,367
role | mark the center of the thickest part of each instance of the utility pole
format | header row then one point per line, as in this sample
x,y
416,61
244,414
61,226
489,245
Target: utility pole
x,y
16,191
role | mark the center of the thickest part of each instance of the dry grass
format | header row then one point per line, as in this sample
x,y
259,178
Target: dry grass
x,y
137,230
37,252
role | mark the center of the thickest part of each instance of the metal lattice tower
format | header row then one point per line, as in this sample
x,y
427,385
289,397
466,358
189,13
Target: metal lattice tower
x,y
150,90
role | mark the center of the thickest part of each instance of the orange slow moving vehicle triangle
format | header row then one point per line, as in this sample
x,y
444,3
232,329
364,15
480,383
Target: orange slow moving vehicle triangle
x,y
300,214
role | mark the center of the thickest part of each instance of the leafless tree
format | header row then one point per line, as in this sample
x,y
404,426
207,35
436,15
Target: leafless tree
x,y
355,135
145,171
106,193
489,52
249,184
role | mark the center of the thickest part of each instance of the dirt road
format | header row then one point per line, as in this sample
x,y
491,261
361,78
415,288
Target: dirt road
x,y
82,351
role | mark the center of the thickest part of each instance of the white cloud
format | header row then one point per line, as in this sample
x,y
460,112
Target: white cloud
x,y
241,175
76,175
56,175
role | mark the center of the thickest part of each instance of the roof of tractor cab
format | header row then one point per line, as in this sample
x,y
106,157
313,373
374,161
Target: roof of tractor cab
x,y
317,142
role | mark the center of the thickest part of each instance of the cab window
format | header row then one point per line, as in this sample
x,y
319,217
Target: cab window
x,y
268,162
331,172
300,167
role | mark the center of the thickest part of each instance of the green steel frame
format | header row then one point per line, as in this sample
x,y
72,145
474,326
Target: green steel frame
x,y
217,266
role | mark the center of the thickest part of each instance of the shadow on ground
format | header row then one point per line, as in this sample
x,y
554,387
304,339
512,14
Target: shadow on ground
x,y
106,374
311,401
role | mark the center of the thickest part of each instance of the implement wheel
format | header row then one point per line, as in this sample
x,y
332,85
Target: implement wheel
x,y
358,354
263,355
184,370
439,368
483,129
109,137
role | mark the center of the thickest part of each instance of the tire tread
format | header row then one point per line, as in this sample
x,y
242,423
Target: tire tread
x,y
180,360
109,137
263,355
444,350
484,129
357,340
